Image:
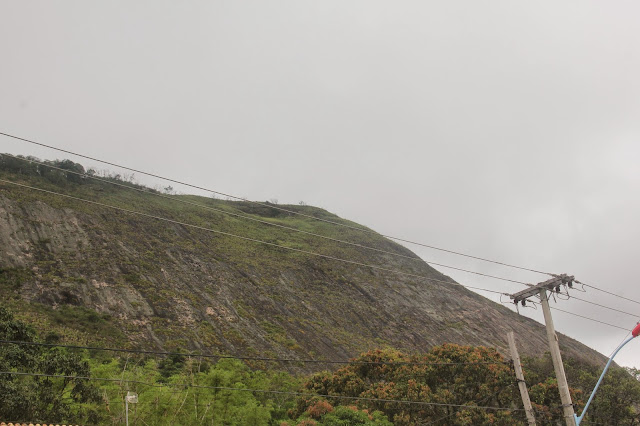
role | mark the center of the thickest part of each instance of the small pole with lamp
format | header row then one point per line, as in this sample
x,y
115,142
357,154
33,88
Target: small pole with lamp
x,y
634,333
131,398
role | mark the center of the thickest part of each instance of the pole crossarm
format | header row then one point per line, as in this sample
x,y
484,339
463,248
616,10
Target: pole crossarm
x,y
540,290
549,284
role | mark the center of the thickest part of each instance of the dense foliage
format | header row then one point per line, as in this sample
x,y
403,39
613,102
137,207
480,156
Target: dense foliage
x,y
52,174
617,401
488,383
41,398
457,385
446,379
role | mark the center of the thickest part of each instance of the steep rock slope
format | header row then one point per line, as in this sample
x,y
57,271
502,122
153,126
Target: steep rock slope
x,y
94,274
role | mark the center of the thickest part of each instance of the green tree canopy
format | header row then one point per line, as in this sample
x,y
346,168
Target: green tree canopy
x,y
446,379
40,398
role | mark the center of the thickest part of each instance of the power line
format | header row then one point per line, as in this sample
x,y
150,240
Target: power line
x,y
243,358
277,207
298,230
228,234
581,316
608,292
590,319
309,216
145,191
606,307
323,220
271,244
277,245
301,394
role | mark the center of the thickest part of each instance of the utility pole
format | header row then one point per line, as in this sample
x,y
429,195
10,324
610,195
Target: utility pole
x,y
524,393
541,290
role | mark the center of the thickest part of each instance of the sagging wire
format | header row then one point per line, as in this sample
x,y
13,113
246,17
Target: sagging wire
x,y
580,289
502,301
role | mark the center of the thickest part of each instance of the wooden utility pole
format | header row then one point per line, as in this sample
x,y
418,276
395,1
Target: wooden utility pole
x,y
541,290
563,387
515,357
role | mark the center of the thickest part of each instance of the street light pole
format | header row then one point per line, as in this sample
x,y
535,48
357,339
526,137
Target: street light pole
x,y
634,333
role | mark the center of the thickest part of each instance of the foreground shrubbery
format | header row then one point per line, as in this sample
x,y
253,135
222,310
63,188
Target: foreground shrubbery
x,y
443,385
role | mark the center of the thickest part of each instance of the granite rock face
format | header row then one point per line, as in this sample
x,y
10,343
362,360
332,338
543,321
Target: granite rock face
x,y
164,285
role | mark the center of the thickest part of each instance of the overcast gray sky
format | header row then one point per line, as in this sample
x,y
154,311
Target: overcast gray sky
x,y
507,130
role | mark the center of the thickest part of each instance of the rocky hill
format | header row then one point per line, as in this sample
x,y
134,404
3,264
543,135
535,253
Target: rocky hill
x,y
89,273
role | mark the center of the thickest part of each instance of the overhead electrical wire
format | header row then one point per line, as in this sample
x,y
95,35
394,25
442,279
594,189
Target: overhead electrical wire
x,y
608,292
581,316
228,234
288,248
588,318
183,201
302,394
33,142
606,307
591,303
242,358
319,219
292,229
296,213
275,206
